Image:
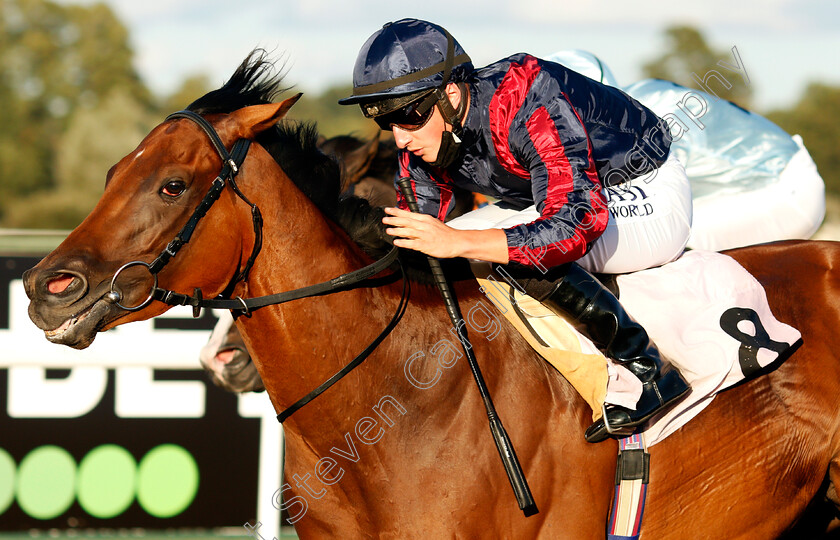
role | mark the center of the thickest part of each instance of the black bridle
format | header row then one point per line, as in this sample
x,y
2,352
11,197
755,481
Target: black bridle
x,y
231,163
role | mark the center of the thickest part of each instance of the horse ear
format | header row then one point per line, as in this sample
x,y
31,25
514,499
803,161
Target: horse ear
x,y
358,161
253,120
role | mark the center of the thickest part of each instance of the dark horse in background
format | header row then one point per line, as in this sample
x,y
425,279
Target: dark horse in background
x,y
368,170
760,462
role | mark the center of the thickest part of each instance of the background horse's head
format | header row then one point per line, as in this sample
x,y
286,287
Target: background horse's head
x,y
149,196
226,359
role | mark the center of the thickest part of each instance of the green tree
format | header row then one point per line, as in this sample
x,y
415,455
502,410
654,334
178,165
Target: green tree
x,y
73,105
54,60
332,119
688,61
814,118
95,140
192,88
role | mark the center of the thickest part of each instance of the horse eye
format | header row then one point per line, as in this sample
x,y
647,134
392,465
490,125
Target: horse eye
x,y
173,188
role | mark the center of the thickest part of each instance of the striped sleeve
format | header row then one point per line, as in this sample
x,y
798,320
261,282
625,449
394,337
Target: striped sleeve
x,y
529,112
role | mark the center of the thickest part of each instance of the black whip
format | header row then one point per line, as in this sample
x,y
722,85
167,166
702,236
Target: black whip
x,y
503,444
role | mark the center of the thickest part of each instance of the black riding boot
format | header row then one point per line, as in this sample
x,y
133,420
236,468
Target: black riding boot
x,y
597,313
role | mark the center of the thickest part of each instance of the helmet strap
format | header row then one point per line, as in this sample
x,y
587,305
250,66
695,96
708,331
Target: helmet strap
x,y
448,151
450,114
450,141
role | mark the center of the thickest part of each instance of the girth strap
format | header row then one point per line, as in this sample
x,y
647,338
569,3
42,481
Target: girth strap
x,y
631,483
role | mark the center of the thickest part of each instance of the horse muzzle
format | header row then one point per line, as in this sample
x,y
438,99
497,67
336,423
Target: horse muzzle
x,y
64,307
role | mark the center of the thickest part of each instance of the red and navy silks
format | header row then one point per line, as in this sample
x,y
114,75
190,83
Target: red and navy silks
x,y
539,133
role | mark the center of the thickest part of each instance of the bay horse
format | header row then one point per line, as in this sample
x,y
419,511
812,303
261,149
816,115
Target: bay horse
x,y
400,448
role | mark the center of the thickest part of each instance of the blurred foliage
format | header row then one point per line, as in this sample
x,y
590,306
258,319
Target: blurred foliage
x,y
333,119
814,117
54,61
688,56
191,89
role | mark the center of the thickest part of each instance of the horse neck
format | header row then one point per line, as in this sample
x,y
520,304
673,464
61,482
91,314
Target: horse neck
x,y
298,345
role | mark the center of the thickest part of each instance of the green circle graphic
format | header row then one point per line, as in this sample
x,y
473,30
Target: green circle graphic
x,y
7,480
46,482
105,483
167,481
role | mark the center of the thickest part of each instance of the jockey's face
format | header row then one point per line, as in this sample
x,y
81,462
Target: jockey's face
x,y
425,141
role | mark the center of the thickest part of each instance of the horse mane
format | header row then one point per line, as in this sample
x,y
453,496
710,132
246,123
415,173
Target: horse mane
x,y
294,146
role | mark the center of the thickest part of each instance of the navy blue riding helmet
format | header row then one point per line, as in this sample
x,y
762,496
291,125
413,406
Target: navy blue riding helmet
x,y
406,57
404,68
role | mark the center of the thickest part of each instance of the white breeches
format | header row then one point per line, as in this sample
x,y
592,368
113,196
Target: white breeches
x,y
649,224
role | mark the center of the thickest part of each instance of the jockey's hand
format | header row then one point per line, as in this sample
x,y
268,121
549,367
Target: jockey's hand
x,y
424,233
429,235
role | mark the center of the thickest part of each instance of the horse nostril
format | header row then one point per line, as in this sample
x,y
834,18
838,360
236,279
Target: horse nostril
x,y
59,284
224,357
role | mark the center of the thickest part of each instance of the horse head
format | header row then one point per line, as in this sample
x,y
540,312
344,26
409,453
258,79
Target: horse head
x,y
227,361
79,290
355,155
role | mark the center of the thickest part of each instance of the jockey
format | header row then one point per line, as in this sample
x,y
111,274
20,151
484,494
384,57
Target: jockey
x,y
553,147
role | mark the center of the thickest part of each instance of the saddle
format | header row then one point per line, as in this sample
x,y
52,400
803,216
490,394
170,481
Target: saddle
x,y
707,314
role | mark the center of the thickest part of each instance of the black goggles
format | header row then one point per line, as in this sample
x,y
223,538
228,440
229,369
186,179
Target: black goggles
x,y
410,117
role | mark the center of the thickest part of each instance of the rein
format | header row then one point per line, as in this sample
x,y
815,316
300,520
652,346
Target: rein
x,y
231,163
